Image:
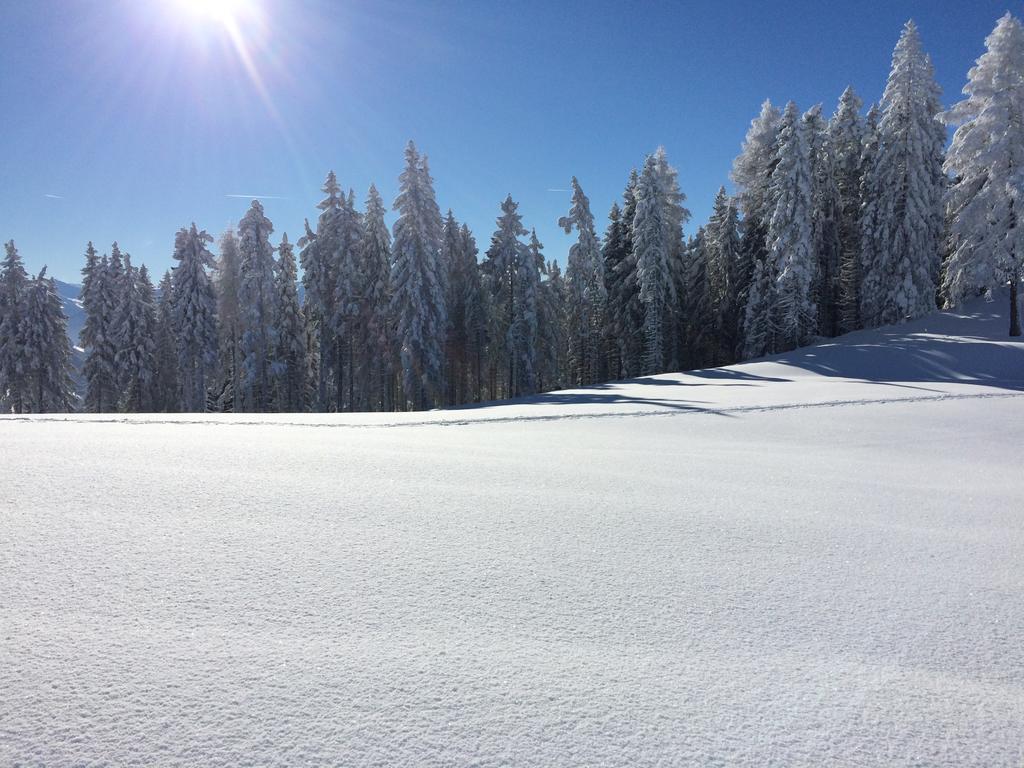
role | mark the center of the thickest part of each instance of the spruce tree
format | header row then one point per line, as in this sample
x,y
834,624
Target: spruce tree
x,y
258,309
825,222
166,392
551,330
46,350
227,281
584,278
418,284
501,265
318,278
347,321
987,160
751,172
376,349
14,288
791,256
289,368
903,213
194,313
99,301
846,134
135,332
722,248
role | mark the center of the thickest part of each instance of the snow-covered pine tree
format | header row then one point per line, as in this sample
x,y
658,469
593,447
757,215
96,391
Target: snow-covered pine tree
x,y
475,316
377,349
318,278
14,288
99,302
584,277
613,253
523,334
846,133
652,252
289,366
501,265
166,392
625,312
869,214
986,159
348,302
699,322
677,216
660,267
47,350
751,172
258,309
903,211
551,336
456,342
135,334
825,218
791,256
722,247
227,281
194,312
418,285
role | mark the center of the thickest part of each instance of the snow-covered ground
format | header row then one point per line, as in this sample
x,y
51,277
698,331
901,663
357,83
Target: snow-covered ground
x,y
816,559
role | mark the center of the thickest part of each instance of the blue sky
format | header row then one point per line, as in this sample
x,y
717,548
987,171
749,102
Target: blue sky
x,y
127,119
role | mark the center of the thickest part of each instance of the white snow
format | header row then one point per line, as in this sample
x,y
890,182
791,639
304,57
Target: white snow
x,y
816,559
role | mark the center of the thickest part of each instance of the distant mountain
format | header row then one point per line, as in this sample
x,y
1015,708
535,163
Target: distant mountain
x,y
69,293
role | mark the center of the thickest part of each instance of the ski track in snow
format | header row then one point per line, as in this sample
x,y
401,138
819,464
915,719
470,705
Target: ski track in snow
x,y
834,575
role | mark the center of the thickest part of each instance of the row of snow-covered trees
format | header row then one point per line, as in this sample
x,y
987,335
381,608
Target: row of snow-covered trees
x,y
850,222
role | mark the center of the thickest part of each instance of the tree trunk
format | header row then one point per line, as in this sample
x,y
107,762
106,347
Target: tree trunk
x,y
1014,307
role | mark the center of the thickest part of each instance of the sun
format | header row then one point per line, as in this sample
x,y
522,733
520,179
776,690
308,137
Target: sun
x,y
226,12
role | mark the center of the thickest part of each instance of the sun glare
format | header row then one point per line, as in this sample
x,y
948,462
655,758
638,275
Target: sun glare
x,y
226,12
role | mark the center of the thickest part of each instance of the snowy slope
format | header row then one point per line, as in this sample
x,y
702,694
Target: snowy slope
x,y
814,559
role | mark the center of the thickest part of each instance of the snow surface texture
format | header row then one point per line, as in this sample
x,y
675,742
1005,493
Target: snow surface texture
x,y
812,560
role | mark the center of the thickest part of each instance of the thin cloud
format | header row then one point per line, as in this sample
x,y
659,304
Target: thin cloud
x,y
551,189
54,197
259,197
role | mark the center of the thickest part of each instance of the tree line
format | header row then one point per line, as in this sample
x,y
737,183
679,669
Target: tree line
x,y
854,221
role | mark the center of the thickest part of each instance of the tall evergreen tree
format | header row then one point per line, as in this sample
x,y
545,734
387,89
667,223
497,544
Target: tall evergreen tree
x,y
825,222
625,311
14,288
318,278
98,336
987,161
289,368
722,247
846,133
651,248
47,350
228,284
660,267
418,284
135,334
551,324
166,392
501,265
791,234
348,301
781,313
475,315
375,269
584,278
751,172
903,214
258,305
194,312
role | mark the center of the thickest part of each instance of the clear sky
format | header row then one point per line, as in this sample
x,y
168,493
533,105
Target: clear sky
x,y
127,119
